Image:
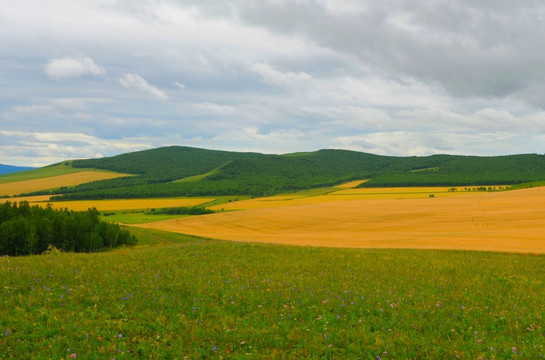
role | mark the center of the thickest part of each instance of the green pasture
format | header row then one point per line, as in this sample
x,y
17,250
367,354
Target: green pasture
x,y
176,297
133,216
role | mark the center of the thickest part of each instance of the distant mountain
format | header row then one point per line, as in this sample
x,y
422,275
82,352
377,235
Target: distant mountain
x,y
6,169
186,171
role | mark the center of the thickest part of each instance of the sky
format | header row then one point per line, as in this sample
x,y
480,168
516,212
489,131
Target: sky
x,y
87,79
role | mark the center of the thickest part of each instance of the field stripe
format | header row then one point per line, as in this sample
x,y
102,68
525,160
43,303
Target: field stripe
x,y
54,182
511,221
129,204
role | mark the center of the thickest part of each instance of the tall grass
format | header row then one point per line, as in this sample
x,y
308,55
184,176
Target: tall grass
x,y
209,299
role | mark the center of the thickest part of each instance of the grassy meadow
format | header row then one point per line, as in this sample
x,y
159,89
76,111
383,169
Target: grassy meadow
x,y
180,297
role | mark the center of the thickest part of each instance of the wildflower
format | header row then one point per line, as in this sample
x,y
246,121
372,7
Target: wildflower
x,y
120,336
73,356
214,348
514,349
325,336
329,346
242,343
7,333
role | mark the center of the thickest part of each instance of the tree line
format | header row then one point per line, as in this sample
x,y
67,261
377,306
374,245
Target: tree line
x,y
28,230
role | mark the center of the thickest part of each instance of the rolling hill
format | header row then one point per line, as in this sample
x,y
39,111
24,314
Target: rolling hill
x,y
186,171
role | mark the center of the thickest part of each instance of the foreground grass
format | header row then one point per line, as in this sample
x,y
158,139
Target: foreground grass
x,y
211,299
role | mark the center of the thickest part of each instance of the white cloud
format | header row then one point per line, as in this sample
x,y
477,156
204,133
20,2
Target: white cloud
x,y
275,77
35,148
136,81
179,85
67,67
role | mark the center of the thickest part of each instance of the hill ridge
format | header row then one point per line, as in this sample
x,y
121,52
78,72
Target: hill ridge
x,y
216,172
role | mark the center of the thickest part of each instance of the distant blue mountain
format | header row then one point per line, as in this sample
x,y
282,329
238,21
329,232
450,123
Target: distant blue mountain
x,y
6,169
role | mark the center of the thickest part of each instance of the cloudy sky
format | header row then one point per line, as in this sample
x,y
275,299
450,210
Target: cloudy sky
x,y
83,79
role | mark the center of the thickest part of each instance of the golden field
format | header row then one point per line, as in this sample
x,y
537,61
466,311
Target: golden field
x,y
30,199
345,193
112,205
54,182
351,184
510,221
128,204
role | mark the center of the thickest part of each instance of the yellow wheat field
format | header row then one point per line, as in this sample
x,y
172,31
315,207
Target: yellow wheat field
x,y
512,221
30,199
351,184
345,194
426,190
54,182
113,205
128,204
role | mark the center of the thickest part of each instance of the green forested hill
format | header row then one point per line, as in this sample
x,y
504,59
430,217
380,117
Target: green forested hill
x,y
210,172
166,163
159,165
438,170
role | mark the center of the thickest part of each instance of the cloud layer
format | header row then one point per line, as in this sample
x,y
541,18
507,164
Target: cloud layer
x,y
392,77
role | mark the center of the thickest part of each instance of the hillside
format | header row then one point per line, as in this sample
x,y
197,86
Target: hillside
x,y
49,178
7,169
185,171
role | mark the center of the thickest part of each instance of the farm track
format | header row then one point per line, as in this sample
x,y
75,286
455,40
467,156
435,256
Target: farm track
x,y
136,231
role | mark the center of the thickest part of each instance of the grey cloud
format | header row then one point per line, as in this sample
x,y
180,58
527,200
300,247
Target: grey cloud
x,y
469,47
